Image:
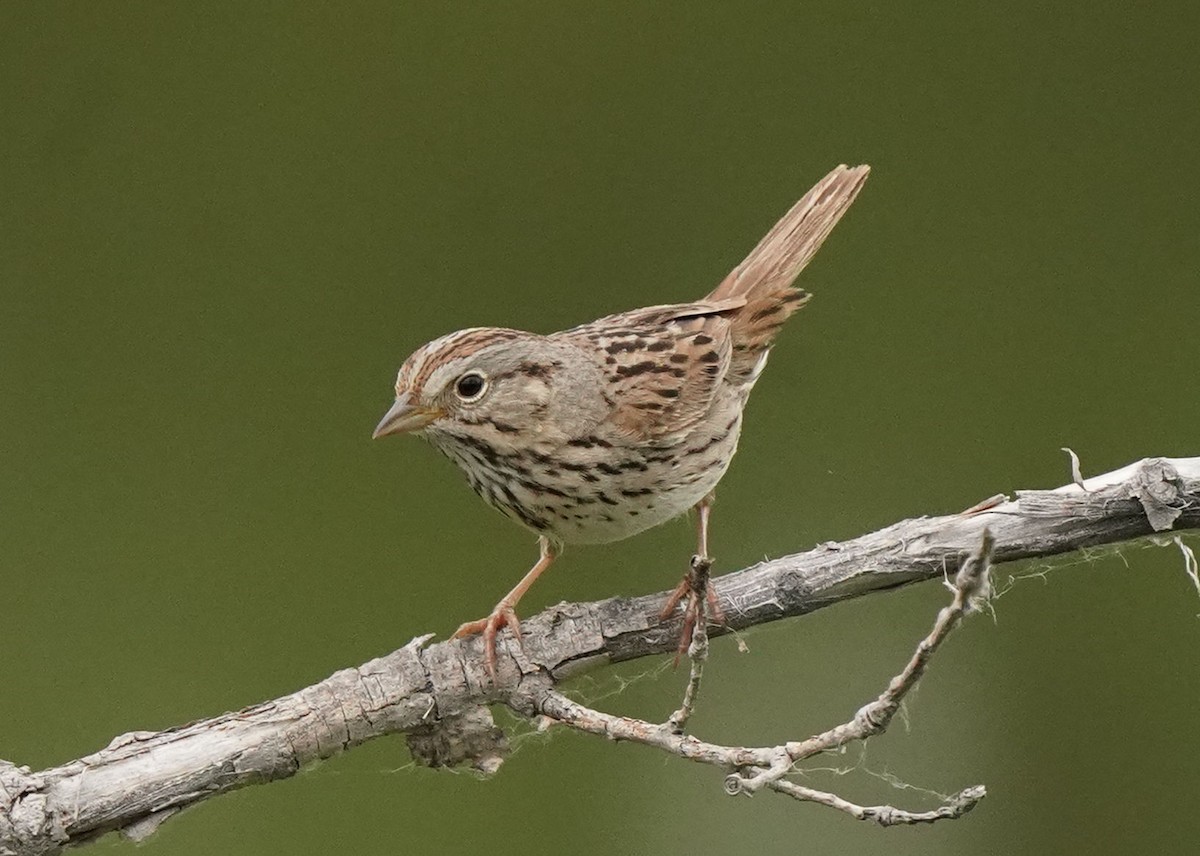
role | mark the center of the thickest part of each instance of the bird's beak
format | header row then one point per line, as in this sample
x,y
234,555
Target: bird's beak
x,y
404,417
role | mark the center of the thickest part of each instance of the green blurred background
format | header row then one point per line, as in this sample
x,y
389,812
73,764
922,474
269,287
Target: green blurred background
x,y
225,225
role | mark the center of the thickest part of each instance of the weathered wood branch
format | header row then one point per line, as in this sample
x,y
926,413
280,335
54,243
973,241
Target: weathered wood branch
x,y
435,693
757,767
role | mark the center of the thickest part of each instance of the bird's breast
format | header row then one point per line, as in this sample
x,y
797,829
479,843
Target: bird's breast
x,y
599,489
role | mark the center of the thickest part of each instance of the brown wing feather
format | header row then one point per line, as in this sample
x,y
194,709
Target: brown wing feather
x,y
662,364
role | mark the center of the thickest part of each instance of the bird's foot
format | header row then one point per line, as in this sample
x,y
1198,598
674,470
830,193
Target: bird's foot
x,y
690,587
502,616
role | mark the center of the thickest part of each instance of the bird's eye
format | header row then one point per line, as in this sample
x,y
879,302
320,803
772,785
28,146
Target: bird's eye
x,y
470,387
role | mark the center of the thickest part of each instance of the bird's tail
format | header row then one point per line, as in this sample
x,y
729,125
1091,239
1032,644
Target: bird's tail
x,y
764,279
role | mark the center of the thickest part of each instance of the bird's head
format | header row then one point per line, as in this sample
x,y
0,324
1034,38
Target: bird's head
x,y
504,387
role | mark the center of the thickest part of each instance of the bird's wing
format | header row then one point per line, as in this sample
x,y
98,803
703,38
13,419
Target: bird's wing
x,y
662,365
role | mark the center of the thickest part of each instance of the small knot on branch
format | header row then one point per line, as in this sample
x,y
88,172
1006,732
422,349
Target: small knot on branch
x,y
471,737
1159,488
875,716
753,779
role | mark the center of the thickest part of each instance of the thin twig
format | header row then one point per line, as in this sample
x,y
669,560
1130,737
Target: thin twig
x,y
766,766
1076,472
886,815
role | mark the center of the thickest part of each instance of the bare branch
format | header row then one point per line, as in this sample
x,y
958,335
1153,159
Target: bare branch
x,y
766,766
886,815
142,778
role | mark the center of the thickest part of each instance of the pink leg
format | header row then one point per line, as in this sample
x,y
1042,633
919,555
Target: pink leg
x,y
504,614
686,587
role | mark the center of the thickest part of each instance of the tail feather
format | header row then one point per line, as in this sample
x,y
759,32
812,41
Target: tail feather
x,y
774,264
764,279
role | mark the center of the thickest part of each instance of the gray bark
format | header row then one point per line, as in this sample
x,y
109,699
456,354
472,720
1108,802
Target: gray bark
x,y
435,693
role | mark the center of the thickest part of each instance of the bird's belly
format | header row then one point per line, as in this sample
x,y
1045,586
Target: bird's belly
x,y
606,492
601,523
664,485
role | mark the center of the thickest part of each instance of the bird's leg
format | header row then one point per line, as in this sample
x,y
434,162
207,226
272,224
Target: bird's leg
x,y
695,584
504,614
702,558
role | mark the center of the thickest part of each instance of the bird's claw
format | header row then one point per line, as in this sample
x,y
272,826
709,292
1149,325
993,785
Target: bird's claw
x,y
692,612
502,616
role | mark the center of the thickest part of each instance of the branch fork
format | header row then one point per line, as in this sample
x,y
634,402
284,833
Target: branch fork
x,y
755,768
